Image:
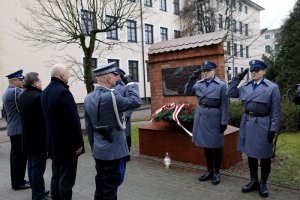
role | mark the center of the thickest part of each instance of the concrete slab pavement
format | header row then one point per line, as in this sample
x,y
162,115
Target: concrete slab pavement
x,y
146,179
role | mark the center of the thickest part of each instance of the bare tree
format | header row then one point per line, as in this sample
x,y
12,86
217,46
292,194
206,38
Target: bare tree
x,y
204,16
65,22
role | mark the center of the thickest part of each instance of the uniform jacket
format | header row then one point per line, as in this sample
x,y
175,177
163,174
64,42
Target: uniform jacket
x,y
121,88
33,122
63,127
13,118
207,121
253,132
102,149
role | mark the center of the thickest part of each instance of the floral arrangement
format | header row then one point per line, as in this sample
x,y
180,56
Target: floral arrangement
x,y
180,113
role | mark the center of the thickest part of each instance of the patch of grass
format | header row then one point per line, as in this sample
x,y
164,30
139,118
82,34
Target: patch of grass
x,y
135,134
286,164
140,119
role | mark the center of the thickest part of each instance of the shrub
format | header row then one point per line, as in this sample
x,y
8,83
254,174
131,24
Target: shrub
x,y
289,114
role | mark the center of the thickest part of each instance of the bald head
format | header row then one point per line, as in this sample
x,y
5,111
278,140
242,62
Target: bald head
x,y
61,72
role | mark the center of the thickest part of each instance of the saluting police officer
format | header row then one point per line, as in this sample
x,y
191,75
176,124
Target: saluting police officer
x,y
121,87
18,157
259,123
105,126
211,117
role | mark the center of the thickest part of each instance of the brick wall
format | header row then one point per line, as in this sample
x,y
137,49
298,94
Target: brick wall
x,y
181,58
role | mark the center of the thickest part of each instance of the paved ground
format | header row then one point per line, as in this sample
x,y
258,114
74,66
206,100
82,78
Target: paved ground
x,y
146,179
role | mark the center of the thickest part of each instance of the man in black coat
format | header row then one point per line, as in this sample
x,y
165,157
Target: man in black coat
x,y
34,132
64,137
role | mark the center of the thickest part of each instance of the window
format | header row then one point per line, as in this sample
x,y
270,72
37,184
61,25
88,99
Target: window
x,y
235,49
247,51
112,25
246,9
227,23
267,37
233,4
114,60
131,31
207,24
240,7
276,48
87,22
241,27
177,34
267,49
234,26
148,34
228,48
176,7
246,29
227,2
241,51
220,21
242,69
94,66
148,3
229,73
133,70
163,5
163,34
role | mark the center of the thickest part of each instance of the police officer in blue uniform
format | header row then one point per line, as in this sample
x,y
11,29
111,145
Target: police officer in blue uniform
x,y
121,87
105,125
211,117
259,123
18,157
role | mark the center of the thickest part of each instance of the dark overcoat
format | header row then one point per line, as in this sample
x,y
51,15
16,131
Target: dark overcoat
x,y
33,122
63,127
253,134
207,121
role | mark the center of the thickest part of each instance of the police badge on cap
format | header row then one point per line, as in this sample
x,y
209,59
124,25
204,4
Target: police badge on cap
x,y
257,64
18,74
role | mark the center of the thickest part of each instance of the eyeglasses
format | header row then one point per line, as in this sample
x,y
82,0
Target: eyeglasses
x,y
254,70
207,70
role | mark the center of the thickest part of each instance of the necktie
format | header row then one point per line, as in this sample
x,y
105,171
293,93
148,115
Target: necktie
x,y
255,86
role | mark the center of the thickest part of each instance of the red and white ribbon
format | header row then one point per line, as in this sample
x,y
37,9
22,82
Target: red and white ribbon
x,y
175,117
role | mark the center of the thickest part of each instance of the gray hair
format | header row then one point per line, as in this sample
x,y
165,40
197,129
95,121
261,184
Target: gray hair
x,y
57,69
30,78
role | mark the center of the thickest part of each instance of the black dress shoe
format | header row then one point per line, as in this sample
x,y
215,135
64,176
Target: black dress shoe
x,y
216,179
22,187
207,176
263,190
251,186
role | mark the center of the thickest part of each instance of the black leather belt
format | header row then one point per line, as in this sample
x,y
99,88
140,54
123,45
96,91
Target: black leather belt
x,y
256,114
209,106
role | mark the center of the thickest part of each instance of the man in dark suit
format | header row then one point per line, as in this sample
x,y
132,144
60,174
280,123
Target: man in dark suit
x,y
18,158
63,130
34,132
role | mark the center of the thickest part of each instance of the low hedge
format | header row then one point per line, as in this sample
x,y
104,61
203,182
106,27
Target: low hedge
x,y
289,118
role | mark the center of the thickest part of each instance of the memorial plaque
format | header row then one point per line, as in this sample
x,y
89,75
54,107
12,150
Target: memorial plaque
x,y
175,79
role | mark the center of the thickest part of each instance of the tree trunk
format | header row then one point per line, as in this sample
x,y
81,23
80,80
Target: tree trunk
x,y
88,79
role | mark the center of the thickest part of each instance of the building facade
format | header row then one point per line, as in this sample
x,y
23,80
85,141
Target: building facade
x,y
159,21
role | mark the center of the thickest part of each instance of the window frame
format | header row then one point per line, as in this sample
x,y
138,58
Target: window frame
x,y
133,71
176,7
147,33
131,31
163,35
163,5
113,34
148,3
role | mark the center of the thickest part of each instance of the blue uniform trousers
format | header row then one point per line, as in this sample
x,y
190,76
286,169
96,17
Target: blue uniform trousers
x,y
110,175
63,178
18,160
36,170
